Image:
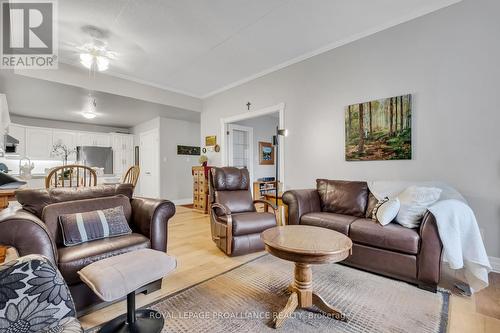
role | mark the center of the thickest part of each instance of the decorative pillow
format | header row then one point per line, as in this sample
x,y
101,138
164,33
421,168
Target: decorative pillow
x,y
373,214
372,202
79,228
414,203
388,211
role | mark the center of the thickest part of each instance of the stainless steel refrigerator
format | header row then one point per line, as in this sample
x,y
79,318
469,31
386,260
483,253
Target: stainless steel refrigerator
x,y
100,157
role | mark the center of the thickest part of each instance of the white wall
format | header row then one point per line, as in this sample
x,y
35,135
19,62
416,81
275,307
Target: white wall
x,y
175,170
263,130
447,59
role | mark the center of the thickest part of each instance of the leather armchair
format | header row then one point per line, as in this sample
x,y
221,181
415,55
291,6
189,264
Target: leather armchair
x,y
235,223
34,229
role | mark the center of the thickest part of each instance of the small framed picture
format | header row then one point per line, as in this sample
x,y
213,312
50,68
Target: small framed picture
x,y
266,153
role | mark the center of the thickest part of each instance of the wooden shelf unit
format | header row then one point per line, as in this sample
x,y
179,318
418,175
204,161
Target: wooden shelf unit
x,y
200,188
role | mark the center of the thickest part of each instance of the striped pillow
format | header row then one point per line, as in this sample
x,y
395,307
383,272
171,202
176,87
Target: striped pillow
x,y
79,228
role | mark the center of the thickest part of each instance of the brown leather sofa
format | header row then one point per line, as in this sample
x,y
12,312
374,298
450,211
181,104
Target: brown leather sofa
x,y
412,255
235,223
34,229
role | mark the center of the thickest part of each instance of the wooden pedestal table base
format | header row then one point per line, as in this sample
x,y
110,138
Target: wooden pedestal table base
x,y
303,296
306,245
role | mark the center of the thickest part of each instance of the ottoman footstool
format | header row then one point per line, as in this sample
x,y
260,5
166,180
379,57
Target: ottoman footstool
x,y
115,277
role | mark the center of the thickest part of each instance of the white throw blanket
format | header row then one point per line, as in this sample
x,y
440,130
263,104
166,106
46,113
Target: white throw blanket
x,y
463,247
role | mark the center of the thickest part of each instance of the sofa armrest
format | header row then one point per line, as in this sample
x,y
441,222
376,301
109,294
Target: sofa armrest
x,y
150,217
429,256
301,202
27,233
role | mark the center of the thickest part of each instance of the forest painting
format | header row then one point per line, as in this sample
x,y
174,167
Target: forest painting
x,y
379,130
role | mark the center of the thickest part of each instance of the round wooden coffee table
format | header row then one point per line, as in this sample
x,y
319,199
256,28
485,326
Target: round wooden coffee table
x,y
306,245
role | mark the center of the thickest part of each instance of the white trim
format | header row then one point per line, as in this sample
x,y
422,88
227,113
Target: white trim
x,y
334,45
495,264
186,201
280,108
230,156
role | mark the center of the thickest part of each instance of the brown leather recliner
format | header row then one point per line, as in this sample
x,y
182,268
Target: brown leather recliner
x,y
412,255
34,229
235,223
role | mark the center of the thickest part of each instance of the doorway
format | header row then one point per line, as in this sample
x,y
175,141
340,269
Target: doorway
x,y
240,147
149,181
276,113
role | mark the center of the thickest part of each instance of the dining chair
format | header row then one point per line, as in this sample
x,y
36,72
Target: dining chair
x,y
72,175
132,175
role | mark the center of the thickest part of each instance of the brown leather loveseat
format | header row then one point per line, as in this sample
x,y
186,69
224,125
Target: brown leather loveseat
x,y
412,255
34,229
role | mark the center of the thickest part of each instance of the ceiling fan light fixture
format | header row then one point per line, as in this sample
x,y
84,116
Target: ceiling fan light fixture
x,y
94,62
102,63
87,60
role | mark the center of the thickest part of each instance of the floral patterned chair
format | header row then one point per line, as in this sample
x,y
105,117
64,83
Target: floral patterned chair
x,y
35,298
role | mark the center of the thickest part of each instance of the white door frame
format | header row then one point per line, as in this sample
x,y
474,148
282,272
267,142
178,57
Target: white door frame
x,y
280,108
249,130
141,155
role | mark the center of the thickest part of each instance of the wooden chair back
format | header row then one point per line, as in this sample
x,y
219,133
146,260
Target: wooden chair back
x,y
72,175
132,175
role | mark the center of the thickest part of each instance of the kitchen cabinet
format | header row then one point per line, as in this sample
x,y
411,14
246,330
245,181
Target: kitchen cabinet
x,y
39,143
19,133
66,138
123,152
94,139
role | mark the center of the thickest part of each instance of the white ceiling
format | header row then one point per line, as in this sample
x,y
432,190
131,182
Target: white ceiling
x,y
200,47
56,101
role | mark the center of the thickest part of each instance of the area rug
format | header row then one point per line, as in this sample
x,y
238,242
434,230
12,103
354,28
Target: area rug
x,y
246,298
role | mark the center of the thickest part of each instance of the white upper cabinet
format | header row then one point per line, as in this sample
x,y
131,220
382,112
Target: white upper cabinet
x,y
39,143
66,138
19,133
123,152
94,139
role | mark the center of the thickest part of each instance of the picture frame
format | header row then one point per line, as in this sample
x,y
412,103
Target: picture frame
x,y
188,150
211,140
379,130
266,153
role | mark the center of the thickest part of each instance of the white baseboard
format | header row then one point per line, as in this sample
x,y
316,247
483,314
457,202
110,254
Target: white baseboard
x,y
495,264
186,201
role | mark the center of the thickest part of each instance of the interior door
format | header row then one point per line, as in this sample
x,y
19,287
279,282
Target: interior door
x,y
240,143
149,181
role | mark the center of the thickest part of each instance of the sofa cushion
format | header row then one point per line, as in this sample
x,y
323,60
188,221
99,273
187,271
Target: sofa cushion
x,y
79,228
343,197
390,237
251,223
74,258
51,213
337,222
35,200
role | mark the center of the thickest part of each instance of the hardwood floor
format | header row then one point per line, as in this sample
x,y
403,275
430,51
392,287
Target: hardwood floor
x,y
199,259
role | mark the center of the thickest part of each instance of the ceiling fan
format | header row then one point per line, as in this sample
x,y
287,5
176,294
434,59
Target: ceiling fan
x,y
94,54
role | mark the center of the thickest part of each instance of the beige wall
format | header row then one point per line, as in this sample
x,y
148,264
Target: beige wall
x,y
448,60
